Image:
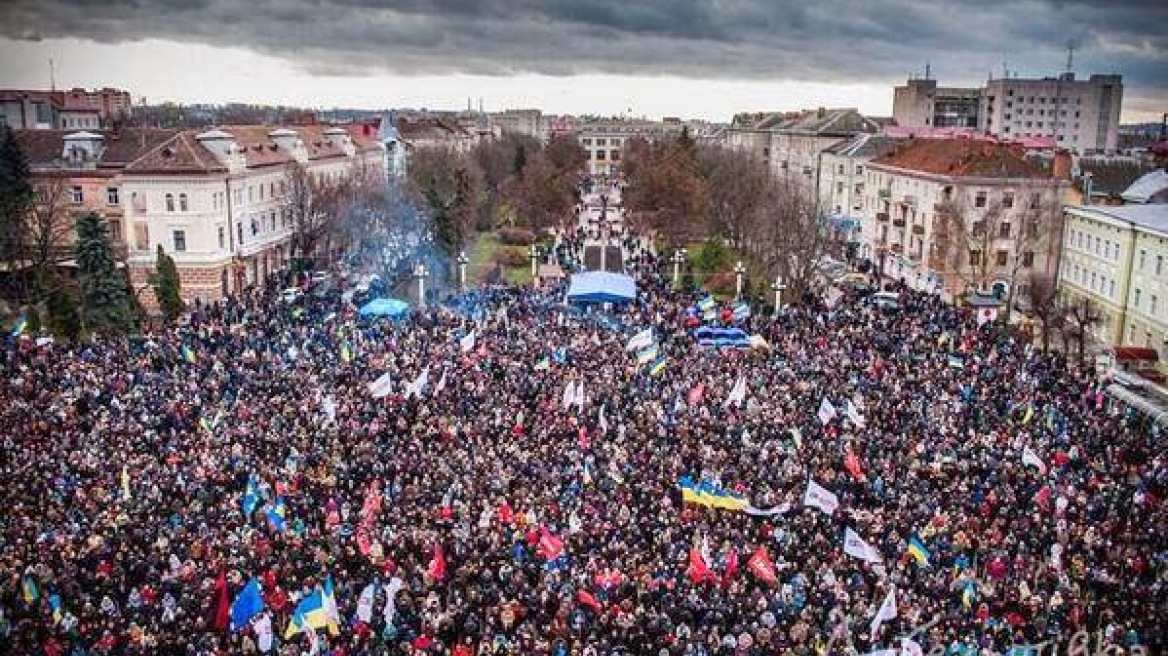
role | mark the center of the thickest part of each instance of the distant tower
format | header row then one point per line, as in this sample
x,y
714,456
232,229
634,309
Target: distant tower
x,y
928,70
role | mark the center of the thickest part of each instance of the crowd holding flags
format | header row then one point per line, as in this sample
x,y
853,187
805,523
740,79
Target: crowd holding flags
x,y
248,603
817,496
826,412
856,546
887,611
918,550
1029,457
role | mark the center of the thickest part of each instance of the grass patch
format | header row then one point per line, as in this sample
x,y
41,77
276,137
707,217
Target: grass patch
x,y
483,255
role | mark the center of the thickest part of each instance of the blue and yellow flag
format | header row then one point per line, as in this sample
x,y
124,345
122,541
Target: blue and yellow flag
x,y
188,355
706,304
969,594
29,589
658,366
918,551
705,493
251,496
277,514
346,352
310,613
648,354
19,326
55,604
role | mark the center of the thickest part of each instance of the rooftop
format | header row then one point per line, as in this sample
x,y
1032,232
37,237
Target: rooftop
x,y
1149,217
963,158
1146,187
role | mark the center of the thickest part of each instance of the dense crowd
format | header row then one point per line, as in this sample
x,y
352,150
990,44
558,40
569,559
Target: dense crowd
x,y
494,518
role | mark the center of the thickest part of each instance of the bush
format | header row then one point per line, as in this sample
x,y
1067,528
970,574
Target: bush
x,y
512,256
516,236
720,283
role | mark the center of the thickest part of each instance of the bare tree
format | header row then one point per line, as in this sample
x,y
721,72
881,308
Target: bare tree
x,y
1082,316
49,230
1044,305
311,204
787,234
738,186
963,239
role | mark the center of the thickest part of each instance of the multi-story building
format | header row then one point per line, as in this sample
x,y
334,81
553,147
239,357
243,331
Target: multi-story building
x,y
76,109
527,122
958,215
1114,257
604,140
1079,115
217,201
920,103
841,181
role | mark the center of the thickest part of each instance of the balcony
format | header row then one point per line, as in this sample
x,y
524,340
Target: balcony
x,y
898,222
897,248
882,217
918,229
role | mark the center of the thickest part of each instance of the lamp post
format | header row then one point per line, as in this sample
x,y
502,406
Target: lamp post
x,y
534,262
881,254
463,260
779,287
420,274
739,270
678,259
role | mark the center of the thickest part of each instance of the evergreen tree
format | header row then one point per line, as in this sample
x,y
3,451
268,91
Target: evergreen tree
x,y
16,196
105,303
63,318
167,286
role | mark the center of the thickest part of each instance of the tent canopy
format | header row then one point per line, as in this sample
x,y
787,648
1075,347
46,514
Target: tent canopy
x,y
601,287
385,307
710,336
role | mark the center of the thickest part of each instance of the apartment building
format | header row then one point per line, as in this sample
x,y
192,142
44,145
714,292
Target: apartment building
x,y
920,103
604,139
957,215
841,181
1079,115
1114,256
526,122
75,109
216,200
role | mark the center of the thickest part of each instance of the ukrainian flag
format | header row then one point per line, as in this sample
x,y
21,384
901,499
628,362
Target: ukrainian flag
x,y
332,614
706,304
917,550
55,604
19,326
658,366
206,425
251,496
741,311
346,353
188,354
310,613
1029,415
29,588
543,365
709,495
277,514
969,594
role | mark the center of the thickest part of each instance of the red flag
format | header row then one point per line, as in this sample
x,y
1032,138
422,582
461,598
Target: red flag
x,y
761,566
731,566
550,547
437,569
696,394
1043,497
852,464
506,515
586,599
699,570
223,605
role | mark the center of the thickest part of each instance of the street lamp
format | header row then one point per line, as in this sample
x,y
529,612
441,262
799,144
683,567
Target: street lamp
x,y
779,287
463,260
420,274
534,262
678,259
739,270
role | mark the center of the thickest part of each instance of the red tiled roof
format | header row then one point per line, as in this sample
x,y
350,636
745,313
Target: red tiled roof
x,y
45,147
964,158
182,153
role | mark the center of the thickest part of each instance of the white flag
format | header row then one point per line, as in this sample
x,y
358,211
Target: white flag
x,y
603,423
391,590
640,340
365,604
569,395
737,394
381,387
854,545
419,385
1029,457
855,416
910,647
467,343
826,412
819,497
886,612
441,383
263,629
579,398
329,405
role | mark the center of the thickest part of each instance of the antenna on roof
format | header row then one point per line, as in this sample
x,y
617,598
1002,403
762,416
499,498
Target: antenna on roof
x,y
928,69
52,76
1005,70
1070,56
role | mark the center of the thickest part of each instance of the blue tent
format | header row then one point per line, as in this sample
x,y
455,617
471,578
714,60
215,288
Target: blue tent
x,y
710,336
385,307
601,287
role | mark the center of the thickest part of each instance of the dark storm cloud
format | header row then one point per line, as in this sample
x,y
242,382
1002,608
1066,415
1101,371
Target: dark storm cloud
x,y
822,40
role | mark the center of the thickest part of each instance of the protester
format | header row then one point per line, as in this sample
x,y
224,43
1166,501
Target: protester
x,y
491,517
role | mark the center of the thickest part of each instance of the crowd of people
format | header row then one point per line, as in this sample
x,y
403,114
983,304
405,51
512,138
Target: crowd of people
x,y
510,484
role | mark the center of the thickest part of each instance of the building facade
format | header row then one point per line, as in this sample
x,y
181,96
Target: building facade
x,y
1114,257
953,216
920,103
842,175
1079,115
604,140
75,109
526,122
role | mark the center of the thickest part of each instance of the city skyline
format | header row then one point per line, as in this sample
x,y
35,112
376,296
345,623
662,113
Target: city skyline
x,y
656,59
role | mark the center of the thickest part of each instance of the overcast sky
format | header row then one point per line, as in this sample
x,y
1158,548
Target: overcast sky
x,y
689,58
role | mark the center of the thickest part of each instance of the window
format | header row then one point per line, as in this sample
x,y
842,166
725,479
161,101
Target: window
x,y
601,142
601,155
180,241
859,170
1159,264
222,238
170,202
1143,256
239,233
1003,258
182,202
141,237
586,142
980,199
111,196
115,230
251,193
1137,300
255,227
1004,230
1028,259
272,221
1152,306
76,195
841,169
614,155
1095,281
1008,200
1034,201
1111,288
974,258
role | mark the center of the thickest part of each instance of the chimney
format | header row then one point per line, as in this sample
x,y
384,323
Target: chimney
x,y
1061,165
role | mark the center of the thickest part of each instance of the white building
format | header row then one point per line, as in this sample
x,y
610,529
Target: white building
x,y
604,140
1079,115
